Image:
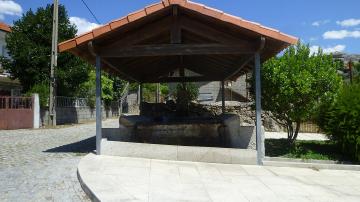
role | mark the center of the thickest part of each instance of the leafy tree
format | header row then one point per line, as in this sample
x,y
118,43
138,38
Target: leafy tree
x,y
88,88
340,120
294,83
185,94
29,46
149,90
43,90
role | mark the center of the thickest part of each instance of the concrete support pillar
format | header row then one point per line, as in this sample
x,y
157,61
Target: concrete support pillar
x,y
158,93
260,146
141,97
98,106
223,97
36,110
138,96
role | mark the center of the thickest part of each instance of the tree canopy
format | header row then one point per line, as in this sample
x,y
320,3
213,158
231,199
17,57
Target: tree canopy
x,y
29,46
294,83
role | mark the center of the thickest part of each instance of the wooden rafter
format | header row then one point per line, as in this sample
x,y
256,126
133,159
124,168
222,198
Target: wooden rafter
x,y
181,79
142,34
178,49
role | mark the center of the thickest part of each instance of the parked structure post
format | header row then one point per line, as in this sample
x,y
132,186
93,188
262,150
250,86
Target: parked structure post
x,y
98,106
259,139
223,97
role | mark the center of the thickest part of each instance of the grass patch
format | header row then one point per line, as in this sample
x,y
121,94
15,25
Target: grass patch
x,y
303,149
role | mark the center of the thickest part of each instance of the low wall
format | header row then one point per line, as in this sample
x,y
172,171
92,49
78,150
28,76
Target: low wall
x,y
69,115
179,153
239,148
222,131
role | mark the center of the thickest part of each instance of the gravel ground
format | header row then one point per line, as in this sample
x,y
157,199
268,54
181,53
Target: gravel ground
x,y
40,165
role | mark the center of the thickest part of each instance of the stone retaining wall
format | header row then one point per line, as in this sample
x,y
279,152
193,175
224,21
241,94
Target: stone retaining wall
x,y
74,115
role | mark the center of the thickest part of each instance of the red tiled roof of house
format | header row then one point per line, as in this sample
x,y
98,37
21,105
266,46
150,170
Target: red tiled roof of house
x,y
5,27
200,8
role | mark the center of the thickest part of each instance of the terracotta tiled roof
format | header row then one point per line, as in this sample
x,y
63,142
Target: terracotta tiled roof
x,y
5,27
211,12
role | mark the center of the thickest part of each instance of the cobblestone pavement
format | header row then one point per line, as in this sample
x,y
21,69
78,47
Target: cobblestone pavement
x,y
40,165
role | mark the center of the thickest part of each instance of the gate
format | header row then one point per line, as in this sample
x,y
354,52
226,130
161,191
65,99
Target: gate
x,y
16,113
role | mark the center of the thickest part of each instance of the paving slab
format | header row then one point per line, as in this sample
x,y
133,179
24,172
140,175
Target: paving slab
x,y
111,178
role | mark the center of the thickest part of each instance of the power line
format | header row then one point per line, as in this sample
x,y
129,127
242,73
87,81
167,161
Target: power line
x,y
91,12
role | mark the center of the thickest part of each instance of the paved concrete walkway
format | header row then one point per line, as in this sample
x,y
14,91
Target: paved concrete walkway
x,y
40,165
301,136
132,179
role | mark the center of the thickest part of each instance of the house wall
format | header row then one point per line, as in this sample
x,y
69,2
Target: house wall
x,y
3,50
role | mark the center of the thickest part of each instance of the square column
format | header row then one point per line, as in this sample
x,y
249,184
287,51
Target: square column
x,y
98,106
223,97
260,146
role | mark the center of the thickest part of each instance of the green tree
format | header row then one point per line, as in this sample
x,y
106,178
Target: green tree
x,y
29,46
185,94
340,120
88,89
294,83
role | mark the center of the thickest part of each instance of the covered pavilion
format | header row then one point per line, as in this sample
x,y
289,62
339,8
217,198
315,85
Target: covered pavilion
x,y
149,45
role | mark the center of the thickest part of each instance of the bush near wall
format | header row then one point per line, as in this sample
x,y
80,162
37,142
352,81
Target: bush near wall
x,y
341,120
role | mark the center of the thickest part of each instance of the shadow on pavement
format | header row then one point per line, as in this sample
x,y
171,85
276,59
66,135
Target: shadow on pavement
x,y
83,146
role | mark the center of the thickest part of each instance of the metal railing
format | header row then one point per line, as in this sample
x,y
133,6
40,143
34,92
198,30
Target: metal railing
x,y
16,102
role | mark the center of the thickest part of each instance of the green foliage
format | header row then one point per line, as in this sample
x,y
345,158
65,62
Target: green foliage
x,y
293,84
29,46
118,87
356,72
304,149
149,90
185,94
341,119
87,89
43,90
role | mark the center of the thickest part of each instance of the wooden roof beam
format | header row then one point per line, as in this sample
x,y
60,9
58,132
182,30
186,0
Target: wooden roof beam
x,y
245,62
181,79
94,53
177,49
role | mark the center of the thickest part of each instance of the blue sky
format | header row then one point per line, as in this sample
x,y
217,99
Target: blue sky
x,y
330,24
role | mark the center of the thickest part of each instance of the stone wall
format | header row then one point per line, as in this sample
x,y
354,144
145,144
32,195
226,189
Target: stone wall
x,y
247,115
74,115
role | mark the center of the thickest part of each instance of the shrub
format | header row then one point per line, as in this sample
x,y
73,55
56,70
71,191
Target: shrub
x,y
341,120
185,94
43,90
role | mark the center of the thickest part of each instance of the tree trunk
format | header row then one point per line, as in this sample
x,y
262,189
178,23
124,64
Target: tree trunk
x,y
292,135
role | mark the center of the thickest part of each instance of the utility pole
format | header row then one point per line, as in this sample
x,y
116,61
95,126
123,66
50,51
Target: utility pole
x,y
54,53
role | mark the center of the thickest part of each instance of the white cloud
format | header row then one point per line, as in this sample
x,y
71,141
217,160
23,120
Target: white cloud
x,y
337,48
83,25
320,22
313,38
8,7
340,34
349,22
